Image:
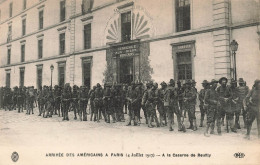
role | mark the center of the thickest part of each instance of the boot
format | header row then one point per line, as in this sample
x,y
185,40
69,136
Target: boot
x,y
212,125
195,128
114,119
108,119
161,123
149,122
135,121
191,125
201,123
206,133
80,117
232,127
129,123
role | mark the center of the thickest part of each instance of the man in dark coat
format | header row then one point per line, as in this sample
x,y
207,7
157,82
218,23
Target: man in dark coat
x,y
203,110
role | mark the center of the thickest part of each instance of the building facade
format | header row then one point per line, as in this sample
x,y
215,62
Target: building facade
x,y
89,41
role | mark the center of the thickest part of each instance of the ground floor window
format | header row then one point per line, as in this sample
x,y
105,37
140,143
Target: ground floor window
x,y
184,65
8,78
21,77
61,73
39,77
86,71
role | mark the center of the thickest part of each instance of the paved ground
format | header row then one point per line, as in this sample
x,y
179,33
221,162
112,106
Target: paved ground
x,y
33,137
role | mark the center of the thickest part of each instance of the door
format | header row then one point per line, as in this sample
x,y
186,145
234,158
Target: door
x,y
87,73
126,70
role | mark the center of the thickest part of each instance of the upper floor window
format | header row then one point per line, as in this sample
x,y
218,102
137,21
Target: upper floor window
x,y
87,6
126,26
24,4
8,56
41,19
183,15
9,34
87,36
23,27
11,9
22,52
40,48
62,43
62,10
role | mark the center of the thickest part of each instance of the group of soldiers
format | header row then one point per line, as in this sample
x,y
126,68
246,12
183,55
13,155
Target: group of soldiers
x,y
217,104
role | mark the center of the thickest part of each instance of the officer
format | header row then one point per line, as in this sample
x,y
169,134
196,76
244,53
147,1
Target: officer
x,y
132,99
189,97
159,93
251,105
83,102
242,90
211,99
91,98
108,102
98,102
144,99
74,101
203,110
66,98
171,106
20,98
225,97
234,100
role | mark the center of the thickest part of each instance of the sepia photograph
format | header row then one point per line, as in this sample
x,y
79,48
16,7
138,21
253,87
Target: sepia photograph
x,y
129,82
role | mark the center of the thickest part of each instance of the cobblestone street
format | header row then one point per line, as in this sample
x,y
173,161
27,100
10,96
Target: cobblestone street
x,y
32,134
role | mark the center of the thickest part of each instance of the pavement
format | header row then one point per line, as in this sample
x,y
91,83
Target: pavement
x,y
34,138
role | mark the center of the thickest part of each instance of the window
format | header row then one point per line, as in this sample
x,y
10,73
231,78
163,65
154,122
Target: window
x,y
23,27
62,43
10,9
39,77
126,26
8,56
21,77
24,4
61,70
86,70
87,36
9,34
22,53
62,10
41,19
40,48
7,80
87,6
183,15
184,65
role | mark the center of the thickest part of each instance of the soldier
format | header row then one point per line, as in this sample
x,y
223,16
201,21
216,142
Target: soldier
x,y
74,101
189,97
98,103
211,98
144,99
180,90
14,97
83,102
91,98
49,104
171,106
234,100
203,110
40,101
57,99
139,93
242,90
225,97
66,98
25,98
30,99
160,96
108,102
132,100
118,103
251,105
20,99
125,87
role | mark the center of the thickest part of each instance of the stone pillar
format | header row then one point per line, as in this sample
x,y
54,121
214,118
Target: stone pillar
x,y
221,38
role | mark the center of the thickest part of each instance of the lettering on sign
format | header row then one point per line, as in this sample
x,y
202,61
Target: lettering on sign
x,y
126,51
184,46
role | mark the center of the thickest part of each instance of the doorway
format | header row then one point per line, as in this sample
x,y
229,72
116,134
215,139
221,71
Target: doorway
x,y
126,70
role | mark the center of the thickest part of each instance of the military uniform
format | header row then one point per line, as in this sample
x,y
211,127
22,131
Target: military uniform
x,y
98,103
234,100
171,106
132,105
74,101
91,98
108,102
211,99
20,98
180,90
124,101
119,103
190,96
144,99
202,105
14,98
159,101
30,100
83,102
66,98
40,101
251,104
150,105
242,91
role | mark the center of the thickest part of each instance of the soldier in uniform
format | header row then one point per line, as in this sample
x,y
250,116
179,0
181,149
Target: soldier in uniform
x,y
139,94
225,98
108,101
40,101
242,90
98,102
91,98
203,110
14,97
234,100
125,88
211,99
30,99
180,90
74,101
159,93
251,105
171,106
189,97
65,99
144,99
25,98
83,102
131,97
57,99
118,103
20,98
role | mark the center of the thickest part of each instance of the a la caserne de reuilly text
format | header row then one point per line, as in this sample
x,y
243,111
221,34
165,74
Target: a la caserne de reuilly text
x,y
133,155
